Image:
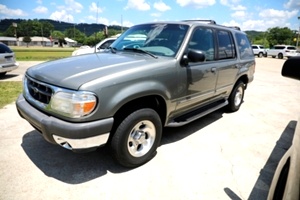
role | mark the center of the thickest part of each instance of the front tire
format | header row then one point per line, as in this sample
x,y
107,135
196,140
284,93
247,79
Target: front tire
x,y
260,54
236,97
136,138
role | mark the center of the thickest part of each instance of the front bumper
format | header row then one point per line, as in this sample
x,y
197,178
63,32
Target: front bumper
x,y
73,136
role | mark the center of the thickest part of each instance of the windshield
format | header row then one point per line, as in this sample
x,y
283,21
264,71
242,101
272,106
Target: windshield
x,y
158,39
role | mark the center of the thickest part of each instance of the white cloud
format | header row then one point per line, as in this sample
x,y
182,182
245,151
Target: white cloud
x,y
41,10
239,14
238,7
272,13
196,3
127,24
137,5
94,8
11,12
161,6
62,16
74,6
292,4
102,20
39,1
155,14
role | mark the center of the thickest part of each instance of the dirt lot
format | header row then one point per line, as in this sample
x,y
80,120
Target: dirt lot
x,y
221,156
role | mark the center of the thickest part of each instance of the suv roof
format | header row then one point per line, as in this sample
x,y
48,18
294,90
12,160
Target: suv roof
x,y
191,22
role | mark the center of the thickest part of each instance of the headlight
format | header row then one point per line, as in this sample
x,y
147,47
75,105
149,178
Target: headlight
x,y
73,105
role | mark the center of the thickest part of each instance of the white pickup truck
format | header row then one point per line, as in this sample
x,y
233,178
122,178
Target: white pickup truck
x,y
282,51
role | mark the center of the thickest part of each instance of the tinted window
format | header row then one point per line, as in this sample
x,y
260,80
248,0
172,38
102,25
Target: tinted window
x,y
291,48
279,47
225,45
5,49
105,45
244,46
254,47
203,40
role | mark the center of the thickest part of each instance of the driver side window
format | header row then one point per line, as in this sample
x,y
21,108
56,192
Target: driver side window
x,y
203,40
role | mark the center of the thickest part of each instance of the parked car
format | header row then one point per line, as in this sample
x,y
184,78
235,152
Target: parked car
x,y
286,179
282,51
101,46
7,60
259,50
154,75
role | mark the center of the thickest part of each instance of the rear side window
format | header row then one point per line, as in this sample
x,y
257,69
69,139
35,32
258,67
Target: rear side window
x,y
244,46
5,49
291,48
226,48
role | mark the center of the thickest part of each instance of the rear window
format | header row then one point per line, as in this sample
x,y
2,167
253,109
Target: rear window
x,y
244,46
226,45
4,49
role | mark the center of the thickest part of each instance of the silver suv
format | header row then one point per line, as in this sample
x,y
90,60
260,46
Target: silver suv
x,y
259,50
154,75
7,60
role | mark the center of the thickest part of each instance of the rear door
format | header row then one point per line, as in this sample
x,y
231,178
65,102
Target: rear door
x,y
227,62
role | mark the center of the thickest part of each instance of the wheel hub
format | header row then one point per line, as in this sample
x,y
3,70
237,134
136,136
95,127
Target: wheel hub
x,y
141,138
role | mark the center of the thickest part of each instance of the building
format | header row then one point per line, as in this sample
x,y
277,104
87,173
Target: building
x,y
36,41
10,41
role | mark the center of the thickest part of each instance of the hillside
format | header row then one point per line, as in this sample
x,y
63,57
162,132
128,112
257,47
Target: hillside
x,y
88,29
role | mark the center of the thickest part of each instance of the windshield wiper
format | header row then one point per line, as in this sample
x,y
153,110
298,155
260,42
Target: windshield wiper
x,y
141,51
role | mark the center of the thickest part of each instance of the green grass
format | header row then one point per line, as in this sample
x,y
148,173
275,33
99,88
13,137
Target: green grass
x,y
9,91
41,53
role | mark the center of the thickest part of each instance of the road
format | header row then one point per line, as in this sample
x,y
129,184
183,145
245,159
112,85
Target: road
x,y
220,156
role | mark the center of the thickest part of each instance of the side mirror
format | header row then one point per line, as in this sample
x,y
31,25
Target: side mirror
x,y
291,68
193,56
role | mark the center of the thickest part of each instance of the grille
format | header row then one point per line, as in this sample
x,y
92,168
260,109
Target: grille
x,y
39,92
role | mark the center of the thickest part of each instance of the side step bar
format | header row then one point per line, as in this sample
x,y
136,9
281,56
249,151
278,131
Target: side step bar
x,y
183,120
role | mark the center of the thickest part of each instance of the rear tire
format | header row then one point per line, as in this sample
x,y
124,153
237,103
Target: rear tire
x,y
236,97
280,56
2,74
136,138
260,54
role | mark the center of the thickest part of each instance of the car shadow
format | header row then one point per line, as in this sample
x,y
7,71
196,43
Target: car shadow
x,y
76,168
67,166
261,187
8,76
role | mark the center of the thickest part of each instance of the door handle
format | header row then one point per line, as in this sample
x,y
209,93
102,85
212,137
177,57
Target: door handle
x,y
213,70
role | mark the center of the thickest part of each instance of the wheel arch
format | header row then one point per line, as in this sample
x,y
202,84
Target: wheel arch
x,y
244,78
154,102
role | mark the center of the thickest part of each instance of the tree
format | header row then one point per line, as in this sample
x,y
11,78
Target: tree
x,y
27,40
280,36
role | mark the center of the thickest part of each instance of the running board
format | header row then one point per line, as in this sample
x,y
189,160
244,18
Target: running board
x,y
185,119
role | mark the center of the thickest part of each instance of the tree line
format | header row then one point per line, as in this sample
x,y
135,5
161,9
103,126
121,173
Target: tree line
x,y
90,35
44,28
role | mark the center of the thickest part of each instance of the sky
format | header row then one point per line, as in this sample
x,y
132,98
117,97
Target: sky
x,y
256,15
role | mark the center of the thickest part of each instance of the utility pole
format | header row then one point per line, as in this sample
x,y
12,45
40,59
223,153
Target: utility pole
x,y
298,34
16,25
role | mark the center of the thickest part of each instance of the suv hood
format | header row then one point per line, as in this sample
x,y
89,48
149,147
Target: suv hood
x,y
72,72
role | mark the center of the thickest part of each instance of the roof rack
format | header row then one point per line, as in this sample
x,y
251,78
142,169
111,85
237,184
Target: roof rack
x,y
235,27
201,20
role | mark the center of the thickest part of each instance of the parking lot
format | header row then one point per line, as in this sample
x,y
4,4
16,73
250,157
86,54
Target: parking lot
x,y
220,156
